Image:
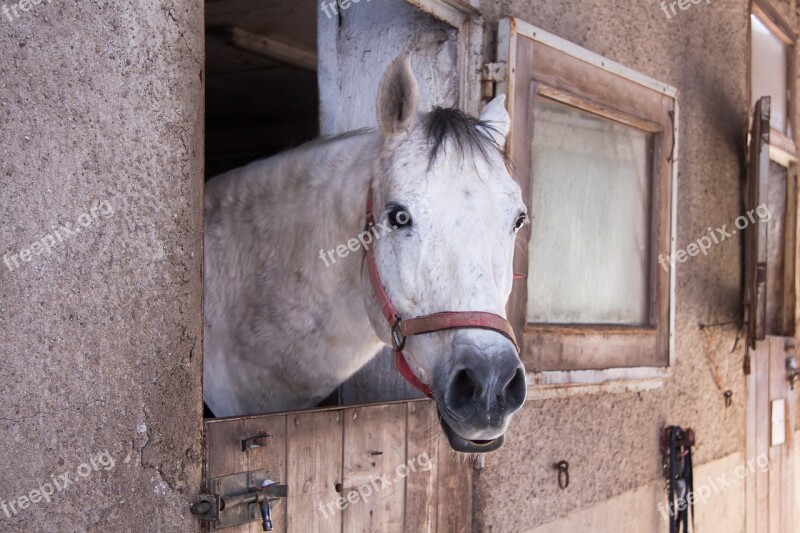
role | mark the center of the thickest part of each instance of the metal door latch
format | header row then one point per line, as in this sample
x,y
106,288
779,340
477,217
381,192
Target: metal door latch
x,y
237,499
792,371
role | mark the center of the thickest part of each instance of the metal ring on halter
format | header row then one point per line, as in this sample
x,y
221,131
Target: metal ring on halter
x,y
397,336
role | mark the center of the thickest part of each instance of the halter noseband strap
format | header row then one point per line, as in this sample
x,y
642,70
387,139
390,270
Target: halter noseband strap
x,y
427,323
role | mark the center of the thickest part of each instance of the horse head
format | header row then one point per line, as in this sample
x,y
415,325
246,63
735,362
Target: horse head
x,y
442,194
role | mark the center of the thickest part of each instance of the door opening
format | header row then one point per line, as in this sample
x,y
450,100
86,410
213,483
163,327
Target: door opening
x,y
261,80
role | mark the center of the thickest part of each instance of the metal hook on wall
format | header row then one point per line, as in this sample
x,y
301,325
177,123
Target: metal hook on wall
x,y
563,474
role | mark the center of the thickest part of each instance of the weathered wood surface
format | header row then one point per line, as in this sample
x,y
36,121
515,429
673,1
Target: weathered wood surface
x,y
314,450
349,90
769,488
392,460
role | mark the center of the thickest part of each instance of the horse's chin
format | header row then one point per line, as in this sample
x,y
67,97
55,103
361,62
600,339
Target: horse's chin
x,y
460,444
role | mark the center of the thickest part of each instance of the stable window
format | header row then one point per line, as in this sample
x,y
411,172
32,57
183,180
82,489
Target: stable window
x,y
770,246
593,145
771,71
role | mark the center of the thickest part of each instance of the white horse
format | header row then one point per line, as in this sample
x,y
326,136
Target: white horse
x,y
290,310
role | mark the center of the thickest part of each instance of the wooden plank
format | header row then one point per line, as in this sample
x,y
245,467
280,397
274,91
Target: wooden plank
x,y
374,452
750,447
222,442
790,252
591,348
224,454
598,108
774,21
776,392
520,108
756,235
454,490
422,449
270,47
563,71
271,458
760,365
225,457
788,488
314,467
328,75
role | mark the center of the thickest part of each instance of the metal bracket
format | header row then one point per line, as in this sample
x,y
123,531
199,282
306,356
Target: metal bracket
x,y
792,370
237,499
256,441
491,74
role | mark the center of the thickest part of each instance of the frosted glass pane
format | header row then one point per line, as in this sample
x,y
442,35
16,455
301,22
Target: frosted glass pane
x,y
769,71
590,219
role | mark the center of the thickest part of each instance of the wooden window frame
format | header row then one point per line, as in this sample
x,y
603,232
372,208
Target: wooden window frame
x,y
782,147
540,64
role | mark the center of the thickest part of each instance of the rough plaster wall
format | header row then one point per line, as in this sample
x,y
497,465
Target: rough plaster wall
x,y
610,440
718,510
100,344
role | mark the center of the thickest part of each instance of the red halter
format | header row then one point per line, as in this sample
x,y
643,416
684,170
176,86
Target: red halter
x,y
423,324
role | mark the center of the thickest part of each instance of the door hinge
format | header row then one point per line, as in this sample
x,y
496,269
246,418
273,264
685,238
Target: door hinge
x,y
491,74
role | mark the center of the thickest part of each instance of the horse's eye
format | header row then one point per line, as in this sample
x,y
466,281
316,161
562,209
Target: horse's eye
x,y
399,217
520,221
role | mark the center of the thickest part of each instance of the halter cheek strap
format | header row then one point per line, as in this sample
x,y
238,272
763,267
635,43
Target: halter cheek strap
x,y
423,324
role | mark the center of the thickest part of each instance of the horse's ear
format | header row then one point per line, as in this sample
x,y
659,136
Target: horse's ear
x,y
398,96
496,117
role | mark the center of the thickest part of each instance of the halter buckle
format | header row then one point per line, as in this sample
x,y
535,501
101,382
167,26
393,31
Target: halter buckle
x,y
398,339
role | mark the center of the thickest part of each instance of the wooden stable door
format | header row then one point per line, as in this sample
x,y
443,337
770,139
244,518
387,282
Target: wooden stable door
x,y
770,308
771,414
391,461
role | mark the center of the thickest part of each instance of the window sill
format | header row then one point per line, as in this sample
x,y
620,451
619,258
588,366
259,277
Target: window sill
x,y
563,384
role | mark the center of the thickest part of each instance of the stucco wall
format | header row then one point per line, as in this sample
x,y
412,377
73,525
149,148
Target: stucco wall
x,y
100,340
644,508
101,105
610,440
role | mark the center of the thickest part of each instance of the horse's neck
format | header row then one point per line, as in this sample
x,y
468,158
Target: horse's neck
x,y
333,194
339,173
340,176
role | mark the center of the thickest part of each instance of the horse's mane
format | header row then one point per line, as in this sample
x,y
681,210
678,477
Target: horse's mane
x,y
466,133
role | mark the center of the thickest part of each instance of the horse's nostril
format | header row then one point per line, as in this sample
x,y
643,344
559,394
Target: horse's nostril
x,y
486,392
463,388
515,390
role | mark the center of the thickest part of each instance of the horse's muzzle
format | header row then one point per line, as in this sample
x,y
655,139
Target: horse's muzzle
x,y
477,398
460,444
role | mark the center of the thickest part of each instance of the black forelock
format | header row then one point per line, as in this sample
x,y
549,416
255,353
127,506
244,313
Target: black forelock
x,y
467,134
